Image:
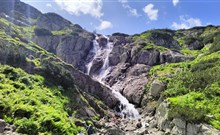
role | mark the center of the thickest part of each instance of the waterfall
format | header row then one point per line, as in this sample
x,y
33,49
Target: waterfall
x,y
128,109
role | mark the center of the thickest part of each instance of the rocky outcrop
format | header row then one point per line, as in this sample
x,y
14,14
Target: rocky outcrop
x,y
172,57
147,57
130,81
177,126
194,44
73,49
52,22
164,39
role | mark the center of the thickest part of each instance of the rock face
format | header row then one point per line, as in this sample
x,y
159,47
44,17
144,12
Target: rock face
x,y
165,40
172,57
73,49
130,81
195,44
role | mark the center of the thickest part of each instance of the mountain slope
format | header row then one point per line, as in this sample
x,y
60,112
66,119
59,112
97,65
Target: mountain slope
x,y
171,75
48,95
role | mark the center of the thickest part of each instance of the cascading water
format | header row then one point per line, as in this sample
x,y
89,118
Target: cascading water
x,y
128,109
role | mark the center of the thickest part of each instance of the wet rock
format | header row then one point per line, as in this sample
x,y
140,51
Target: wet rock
x,y
102,41
96,66
139,124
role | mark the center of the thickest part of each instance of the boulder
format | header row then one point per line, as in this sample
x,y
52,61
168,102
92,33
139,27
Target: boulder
x,y
172,57
156,88
163,122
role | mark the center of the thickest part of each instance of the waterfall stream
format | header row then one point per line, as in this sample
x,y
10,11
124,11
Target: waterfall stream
x,y
103,52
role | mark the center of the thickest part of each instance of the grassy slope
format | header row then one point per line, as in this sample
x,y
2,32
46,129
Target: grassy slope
x,y
193,87
31,105
42,102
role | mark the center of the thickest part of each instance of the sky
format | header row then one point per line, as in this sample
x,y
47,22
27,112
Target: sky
x,y
133,16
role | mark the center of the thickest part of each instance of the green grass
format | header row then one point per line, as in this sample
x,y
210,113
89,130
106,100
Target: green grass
x,y
31,105
153,46
194,93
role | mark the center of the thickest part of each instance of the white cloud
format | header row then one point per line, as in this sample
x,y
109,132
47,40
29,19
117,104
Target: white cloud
x,y
175,2
187,22
49,5
151,12
131,11
78,7
104,25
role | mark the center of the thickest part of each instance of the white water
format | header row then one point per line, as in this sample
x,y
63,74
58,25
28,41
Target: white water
x,y
128,108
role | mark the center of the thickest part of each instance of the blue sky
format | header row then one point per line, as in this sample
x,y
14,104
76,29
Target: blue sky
x,y
133,16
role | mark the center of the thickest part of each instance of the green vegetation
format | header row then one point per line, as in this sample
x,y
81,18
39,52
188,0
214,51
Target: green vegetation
x,y
194,93
31,105
46,102
216,44
193,88
150,45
